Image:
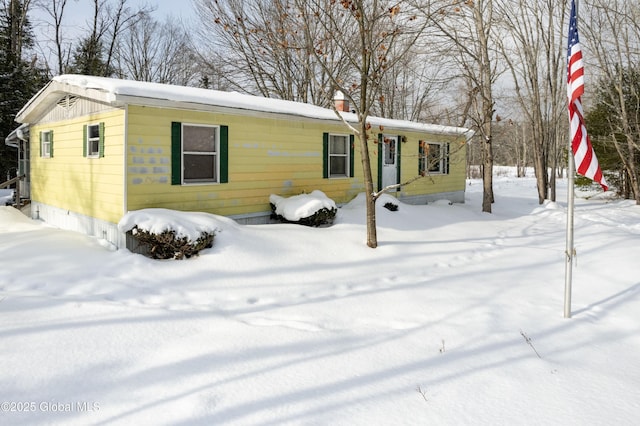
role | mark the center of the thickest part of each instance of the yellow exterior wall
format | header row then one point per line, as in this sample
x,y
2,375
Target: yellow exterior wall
x,y
89,186
266,156
432,183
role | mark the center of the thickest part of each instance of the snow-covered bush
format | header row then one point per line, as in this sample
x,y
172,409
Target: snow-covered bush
x,y
166,245
169,234
313,209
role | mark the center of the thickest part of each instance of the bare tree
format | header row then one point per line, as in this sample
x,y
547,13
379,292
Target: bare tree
x,y
412,89
157,52
468,28
260,47
118,18
372,38
534,54
55,9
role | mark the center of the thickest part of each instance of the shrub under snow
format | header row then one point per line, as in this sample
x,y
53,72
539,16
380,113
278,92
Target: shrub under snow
x,y
169,234
313,209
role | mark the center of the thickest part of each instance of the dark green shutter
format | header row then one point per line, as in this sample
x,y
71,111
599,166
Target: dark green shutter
x,y
380,155
447,160
84,140
351,154
101,140
398,163
224,154
51,143
41,150
325,155
421,166
176,153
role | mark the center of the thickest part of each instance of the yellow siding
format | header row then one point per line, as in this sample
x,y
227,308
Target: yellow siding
x,y
68,180
266,156
435,183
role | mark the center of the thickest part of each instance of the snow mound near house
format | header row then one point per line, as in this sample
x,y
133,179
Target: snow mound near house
x,y
185,224
12,220
301,206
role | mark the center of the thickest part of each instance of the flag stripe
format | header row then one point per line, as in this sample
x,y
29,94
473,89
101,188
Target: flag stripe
x,y
583,153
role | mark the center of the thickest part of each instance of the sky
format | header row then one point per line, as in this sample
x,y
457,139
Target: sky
x,y
455,319
171,8
79,12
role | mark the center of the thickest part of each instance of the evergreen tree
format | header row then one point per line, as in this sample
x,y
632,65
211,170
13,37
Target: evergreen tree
x,y
19,79
88,58
614,127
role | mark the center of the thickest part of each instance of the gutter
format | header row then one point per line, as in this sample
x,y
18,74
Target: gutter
x,y
21,133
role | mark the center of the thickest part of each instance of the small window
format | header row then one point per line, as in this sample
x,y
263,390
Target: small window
x,y
93,135
93,140
338,156
433,158
46,144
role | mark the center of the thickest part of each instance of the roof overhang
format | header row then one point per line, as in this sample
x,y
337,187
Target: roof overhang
x,y
51,93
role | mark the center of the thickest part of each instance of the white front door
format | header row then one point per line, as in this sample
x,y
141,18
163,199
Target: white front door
x,y
389,160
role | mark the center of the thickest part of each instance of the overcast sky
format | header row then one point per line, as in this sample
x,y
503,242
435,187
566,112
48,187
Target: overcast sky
x,y
79,12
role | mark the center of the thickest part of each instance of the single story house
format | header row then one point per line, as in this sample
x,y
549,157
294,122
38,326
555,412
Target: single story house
x,y
94,148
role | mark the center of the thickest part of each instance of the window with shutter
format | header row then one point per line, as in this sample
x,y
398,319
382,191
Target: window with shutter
x,y
337,153
433,158
46,144
93,140
199,153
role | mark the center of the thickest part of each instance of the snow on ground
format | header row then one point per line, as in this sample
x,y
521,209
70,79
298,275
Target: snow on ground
x,y
6,195
283,324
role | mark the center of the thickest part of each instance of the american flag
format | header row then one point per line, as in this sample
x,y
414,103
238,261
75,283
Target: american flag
x,y
583,154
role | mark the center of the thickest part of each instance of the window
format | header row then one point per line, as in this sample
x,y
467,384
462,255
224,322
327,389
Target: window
x,y
93,136
337,155
199,153
433,158
46,144
390,151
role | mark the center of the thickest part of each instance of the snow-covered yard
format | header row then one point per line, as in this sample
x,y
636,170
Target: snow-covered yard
x,y
284,324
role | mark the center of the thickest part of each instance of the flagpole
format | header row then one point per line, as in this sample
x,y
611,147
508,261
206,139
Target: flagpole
x,y
568,271
569,250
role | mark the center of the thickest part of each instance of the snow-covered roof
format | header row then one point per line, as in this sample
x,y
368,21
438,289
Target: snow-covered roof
x,y
118,92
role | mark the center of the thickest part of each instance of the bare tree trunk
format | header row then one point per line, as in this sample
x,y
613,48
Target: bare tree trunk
x,y
483,17
468,26
534,59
